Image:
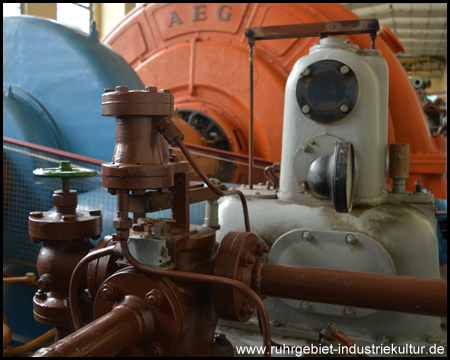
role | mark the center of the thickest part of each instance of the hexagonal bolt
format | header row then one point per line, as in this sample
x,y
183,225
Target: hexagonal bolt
x,y
155,350
152,89
166,91
348,311
306,109
154,298
109,90
36,215
307,236
344,108
244,185
305,148
95,212
40,295
306,72
112,191
345,70
350,239
69,218
304,185
418,186
243,309
305,306
110,292
246,259
249,309
122,88
220,338
47,283
123,224
138,191
257,193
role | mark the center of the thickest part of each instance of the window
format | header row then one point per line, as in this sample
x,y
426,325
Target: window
x,y
11,9
75,14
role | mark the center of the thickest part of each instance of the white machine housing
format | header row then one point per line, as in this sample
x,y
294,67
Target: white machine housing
x,y
389,233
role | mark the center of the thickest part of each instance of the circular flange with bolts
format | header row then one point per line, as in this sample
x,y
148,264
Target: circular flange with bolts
x,y
168,310
239,256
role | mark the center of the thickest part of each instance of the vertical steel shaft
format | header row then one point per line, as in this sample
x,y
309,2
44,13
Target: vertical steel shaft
x,y
250,136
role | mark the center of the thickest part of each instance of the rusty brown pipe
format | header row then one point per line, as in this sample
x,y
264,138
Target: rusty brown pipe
x,y
73,286
208,279
128,322
214,188
373,291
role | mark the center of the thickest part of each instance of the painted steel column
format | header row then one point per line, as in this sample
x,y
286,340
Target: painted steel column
x,y
106,336
373,291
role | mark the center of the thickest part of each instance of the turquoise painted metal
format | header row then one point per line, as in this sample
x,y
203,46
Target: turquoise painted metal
x,y
53,79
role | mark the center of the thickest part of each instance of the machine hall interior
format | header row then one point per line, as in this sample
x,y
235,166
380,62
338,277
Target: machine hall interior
x,y
224,179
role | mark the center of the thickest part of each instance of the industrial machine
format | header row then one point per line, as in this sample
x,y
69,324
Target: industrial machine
x,y
157,287
185,46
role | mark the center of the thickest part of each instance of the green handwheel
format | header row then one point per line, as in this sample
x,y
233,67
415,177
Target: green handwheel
x,y
65,172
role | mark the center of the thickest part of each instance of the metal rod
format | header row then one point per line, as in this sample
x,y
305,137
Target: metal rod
x,y
250,136
372,291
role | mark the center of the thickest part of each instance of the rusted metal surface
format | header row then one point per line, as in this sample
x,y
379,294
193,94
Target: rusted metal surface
x,y
140,158
238,252
374,291
399,161
322,29
128,321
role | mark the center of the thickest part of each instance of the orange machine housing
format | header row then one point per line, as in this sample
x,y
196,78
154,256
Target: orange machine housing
x,y
200,52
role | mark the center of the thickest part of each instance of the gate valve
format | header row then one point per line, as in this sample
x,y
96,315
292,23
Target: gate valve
x,y
65,202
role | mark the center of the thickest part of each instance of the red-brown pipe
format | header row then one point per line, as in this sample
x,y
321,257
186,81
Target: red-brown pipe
x,y
106,336
373,291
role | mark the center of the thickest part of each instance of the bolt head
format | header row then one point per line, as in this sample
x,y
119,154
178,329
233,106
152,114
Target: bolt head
x,y
152,89
46,283
36,215
166,91
305,148
304,185
220,338
109,90
307,236
257,193
69,218
348,311
122,224
306,72
345,70
110,291
306,109
154,298
305,306
248,32
122,88
344,108
350,239
40,295
95,212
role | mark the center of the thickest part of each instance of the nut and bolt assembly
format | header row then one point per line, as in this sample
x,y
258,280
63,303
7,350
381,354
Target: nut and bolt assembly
x,y
154,298
350,239
305,306
306,109
348,311
307,236
344,108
